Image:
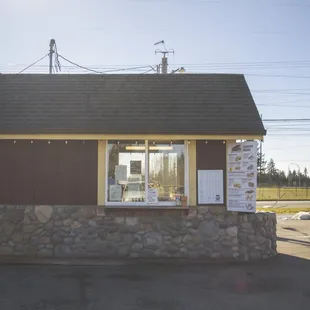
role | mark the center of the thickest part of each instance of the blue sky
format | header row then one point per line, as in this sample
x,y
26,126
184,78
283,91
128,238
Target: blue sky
x,y
256,37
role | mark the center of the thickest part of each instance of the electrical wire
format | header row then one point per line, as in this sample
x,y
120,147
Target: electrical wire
x,y
107,71
126,69
77,65
287,120
57,62
147,71
33,64
278,76
282,105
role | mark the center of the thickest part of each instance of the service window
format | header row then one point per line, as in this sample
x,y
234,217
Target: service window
x,y
146,172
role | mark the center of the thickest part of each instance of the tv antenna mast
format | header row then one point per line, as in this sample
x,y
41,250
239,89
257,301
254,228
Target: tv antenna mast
x,y
164,61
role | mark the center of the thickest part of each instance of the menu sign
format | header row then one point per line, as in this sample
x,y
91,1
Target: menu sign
x,y
242,176
135,167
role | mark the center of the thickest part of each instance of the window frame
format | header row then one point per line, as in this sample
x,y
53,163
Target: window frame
x,y
145,203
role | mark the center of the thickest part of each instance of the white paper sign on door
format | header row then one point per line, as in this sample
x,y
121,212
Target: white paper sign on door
x,y
115,193
121,173
210,187
152,196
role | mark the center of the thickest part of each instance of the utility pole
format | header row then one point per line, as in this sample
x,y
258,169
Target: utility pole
x,y
164,60
52,44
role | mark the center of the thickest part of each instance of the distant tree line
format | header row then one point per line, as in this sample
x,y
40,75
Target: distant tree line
x,y
269,175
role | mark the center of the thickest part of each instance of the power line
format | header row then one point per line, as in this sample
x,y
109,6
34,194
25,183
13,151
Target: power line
x,y
282,105
127,69
291,101
33,63
77,65
289,146
107,71
219,64
278,76
287,120
147,71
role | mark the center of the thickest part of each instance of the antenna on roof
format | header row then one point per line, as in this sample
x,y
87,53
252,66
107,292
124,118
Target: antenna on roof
x,y
164,60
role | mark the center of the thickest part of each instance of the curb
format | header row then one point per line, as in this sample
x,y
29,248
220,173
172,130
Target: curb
x,y
119,262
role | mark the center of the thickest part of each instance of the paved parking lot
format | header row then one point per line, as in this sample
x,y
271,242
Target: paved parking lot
x,y
280,283
294,237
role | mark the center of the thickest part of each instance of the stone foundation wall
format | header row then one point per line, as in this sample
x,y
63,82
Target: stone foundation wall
x,y
80,231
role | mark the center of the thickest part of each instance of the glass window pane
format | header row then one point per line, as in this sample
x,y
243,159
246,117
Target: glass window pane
x,y
166,169
126,174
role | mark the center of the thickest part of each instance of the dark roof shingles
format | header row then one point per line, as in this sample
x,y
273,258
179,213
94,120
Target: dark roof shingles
x,y
128,104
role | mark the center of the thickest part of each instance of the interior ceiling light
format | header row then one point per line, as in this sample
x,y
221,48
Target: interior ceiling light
x,y
135,148
161,148
151,148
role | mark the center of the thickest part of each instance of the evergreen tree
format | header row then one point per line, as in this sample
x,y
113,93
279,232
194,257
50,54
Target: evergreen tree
x,y
271,168
261,163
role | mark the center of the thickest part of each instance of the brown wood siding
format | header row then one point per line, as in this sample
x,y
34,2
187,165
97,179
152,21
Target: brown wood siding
x,y
211,156
42,173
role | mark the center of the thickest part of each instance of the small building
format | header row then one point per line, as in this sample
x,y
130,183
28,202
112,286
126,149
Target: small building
x,y
134,161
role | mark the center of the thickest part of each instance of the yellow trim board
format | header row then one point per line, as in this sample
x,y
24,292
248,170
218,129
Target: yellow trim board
x,y
101,173
192,173
126,137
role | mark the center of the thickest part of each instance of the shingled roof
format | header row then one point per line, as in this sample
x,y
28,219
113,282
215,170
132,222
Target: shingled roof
x,y
128,104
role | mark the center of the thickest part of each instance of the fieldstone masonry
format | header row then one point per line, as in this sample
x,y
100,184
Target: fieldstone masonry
x,y
80,231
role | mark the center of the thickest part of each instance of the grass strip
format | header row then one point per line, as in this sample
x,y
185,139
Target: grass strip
x,y
282,210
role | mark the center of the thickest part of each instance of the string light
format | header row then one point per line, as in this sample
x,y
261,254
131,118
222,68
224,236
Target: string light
x,y
14,141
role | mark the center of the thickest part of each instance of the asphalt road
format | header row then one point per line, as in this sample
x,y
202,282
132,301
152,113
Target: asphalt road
x,y
280,283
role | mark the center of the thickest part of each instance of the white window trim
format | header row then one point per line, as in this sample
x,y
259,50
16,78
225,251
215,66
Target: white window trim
x,y
145,203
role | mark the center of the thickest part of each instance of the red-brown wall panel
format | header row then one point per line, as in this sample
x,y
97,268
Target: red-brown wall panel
x,y
211,156
48,173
